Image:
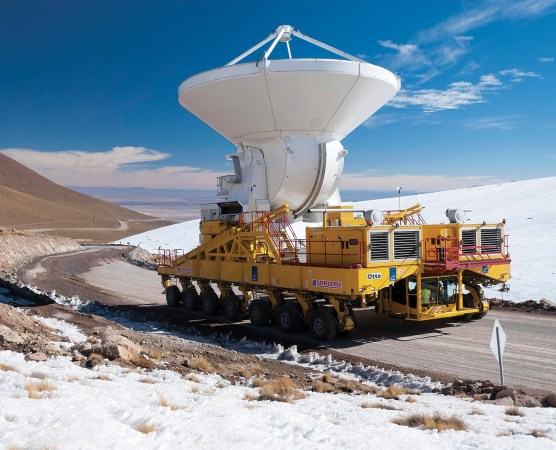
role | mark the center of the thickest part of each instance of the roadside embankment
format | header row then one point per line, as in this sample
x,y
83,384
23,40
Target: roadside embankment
x,y
20,247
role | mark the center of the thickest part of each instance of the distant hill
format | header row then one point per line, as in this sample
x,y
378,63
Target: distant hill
x,y
177,205
29,201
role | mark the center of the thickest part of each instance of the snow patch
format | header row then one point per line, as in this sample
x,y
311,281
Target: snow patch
x,y
69,330
376,375
117,401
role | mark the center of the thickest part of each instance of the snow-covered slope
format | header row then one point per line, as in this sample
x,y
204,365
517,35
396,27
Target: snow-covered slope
x,y
113,407
529,208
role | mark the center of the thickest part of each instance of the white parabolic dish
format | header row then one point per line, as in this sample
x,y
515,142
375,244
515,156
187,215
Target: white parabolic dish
x,y
287,118
249,103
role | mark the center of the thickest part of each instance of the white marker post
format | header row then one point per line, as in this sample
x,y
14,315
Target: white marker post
x,y
497,344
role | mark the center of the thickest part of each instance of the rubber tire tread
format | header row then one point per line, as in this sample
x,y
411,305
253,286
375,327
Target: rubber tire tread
x,y
238,307
296,321
191,299
330,330
173,296
209,302
468,301
264,309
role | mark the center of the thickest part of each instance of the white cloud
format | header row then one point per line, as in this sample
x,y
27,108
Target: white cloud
x,y
443,45
485,13
81,162
119,167
456,96
382,119
492,122
517,75
546,59
470,67
408,55
411,57
444,55
418,183
451,51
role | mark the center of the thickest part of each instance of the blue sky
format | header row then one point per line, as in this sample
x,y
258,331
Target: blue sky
x,y
88,90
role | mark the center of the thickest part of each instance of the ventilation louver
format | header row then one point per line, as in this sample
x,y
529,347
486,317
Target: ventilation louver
x,y
378,246
469,241
406,244
491,240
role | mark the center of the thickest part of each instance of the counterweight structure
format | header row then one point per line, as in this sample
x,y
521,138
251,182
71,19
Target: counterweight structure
x,y
287,119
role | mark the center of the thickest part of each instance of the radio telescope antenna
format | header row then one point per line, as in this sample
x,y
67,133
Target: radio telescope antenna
x,y
283,34
287,118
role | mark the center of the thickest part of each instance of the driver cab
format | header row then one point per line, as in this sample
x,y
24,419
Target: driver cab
x,y
435,291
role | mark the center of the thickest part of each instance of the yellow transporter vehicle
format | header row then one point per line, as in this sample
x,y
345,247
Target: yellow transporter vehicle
x,y
394,261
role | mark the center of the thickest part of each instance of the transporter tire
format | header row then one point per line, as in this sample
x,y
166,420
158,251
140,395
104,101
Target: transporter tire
x,y
233,307
191,299
209,301
468,301
259,312
289,317
173,296
323,324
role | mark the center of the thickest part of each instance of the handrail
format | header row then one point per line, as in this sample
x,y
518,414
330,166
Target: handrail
x,y
165,256
449,249
305,254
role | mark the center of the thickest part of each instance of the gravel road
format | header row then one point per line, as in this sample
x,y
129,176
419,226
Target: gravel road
x,y
443,349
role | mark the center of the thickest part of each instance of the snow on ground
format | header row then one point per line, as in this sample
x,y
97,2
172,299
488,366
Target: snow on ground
x,y
529,208
376,375
105,407
65,328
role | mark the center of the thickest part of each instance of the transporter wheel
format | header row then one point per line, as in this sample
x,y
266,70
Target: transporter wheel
x,y
173,296
289,318
233,307
209,302
323,324
259,312
483,310
466,317
191,299
468,301
479,316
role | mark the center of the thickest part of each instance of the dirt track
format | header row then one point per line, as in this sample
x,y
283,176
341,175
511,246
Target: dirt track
x,y
442,349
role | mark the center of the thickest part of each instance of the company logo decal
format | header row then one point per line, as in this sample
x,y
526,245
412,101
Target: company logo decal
x,y
327,284
374,276
392,274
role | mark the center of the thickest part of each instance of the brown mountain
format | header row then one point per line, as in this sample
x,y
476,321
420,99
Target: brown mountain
x,y
29,201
